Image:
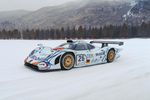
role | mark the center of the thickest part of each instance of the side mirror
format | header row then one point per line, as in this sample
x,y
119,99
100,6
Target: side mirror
x,y
40,45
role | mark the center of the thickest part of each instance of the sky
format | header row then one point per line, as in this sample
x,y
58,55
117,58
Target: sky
x,y
7,5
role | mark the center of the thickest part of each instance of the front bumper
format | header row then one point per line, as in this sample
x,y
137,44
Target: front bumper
x,y
41,65
38,65
31,66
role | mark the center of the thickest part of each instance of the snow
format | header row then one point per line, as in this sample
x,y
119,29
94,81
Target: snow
x,y
128,78
129,13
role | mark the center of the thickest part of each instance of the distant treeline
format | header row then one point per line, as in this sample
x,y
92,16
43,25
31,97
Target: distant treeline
x,y
110,31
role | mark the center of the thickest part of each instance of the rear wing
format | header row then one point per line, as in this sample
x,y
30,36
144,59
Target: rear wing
x,y
105,43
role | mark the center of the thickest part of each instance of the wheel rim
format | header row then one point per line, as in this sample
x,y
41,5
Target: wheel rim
x,y
68,61
111,56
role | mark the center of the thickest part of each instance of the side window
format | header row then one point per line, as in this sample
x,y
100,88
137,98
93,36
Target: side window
x,y
80,47
90,46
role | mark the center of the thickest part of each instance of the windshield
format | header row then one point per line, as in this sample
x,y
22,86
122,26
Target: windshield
x,y
67,45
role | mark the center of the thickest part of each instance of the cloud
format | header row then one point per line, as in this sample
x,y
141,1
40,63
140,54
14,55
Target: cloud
x,y
28,4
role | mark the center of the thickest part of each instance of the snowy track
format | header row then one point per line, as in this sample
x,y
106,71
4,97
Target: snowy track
x,y
128,78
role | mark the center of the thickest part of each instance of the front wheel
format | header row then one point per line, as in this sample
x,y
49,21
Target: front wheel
x,y
111,56
67,61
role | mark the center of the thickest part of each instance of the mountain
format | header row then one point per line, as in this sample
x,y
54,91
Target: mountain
x,y
9,19
78,13
83,12
139,12
10,15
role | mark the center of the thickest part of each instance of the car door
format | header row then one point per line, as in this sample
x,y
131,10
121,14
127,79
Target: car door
x,y
96,54
82,53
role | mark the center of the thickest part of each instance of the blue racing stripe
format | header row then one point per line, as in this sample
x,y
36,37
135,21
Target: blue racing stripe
x,y
53,55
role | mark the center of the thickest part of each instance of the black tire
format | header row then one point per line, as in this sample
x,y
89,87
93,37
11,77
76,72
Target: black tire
x,y
67,61
111,55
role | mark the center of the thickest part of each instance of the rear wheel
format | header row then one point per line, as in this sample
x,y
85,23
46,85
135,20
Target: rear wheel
x,y
67,61
111,56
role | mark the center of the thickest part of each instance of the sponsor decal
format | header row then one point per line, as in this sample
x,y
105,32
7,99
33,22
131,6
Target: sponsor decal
x,y
100,53
59,48
90,55
35,63
88,61
81,59
43,64
95,60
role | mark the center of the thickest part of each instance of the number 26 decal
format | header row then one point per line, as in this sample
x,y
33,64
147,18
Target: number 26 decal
x,y
81,58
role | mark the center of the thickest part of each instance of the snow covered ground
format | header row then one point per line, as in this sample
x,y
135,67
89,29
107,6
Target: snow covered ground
x,y
128,78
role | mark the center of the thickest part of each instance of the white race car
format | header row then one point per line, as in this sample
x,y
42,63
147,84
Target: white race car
x,y
73,54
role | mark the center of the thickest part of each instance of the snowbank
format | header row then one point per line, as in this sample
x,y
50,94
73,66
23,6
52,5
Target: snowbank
x,y
128,78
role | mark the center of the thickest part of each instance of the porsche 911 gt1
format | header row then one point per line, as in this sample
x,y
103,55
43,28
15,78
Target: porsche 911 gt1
x,y
73,54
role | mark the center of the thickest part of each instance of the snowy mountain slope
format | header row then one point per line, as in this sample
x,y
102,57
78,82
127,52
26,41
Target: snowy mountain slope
x,y
84,12
81,12
139,12
128,78
9,19
12,15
